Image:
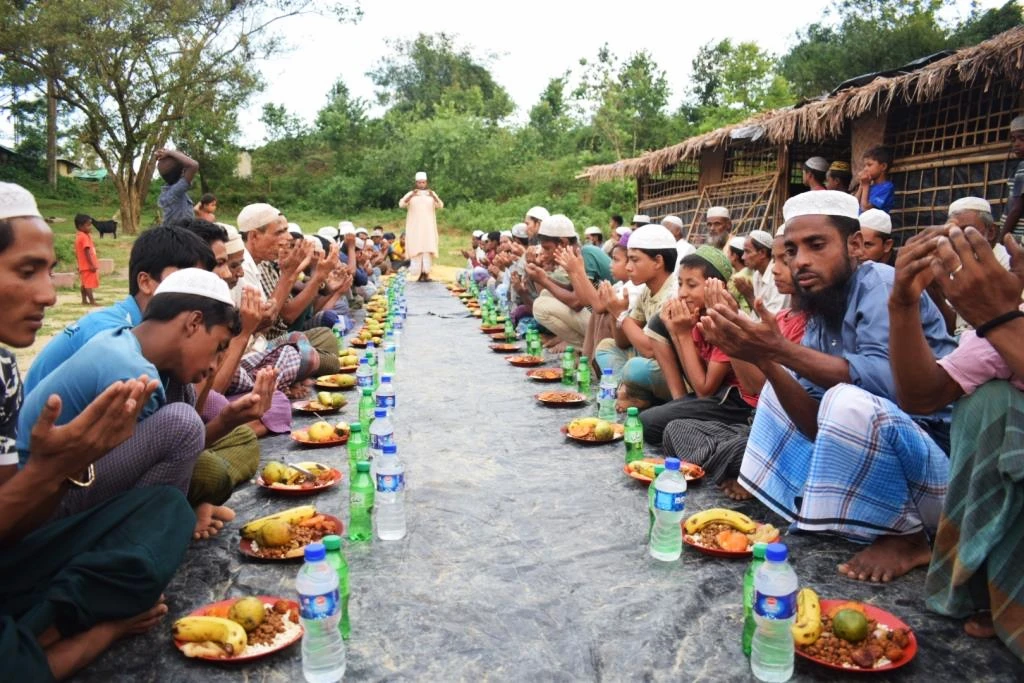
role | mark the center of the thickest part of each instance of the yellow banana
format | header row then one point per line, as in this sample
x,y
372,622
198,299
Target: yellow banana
x,y
291,516
226,633
737,520
642,468
807,627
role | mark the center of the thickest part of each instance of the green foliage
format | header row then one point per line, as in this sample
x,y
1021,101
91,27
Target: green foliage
x,y
64,248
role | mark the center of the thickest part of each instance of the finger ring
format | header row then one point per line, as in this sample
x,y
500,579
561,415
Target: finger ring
x,y
957,270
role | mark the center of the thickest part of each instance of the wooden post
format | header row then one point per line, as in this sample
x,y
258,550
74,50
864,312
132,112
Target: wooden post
x,y
51,133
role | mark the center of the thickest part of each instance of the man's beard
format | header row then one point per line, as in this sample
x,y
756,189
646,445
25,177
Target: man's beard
x,y
718,241
830,303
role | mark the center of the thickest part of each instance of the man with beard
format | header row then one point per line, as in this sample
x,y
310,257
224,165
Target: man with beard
x,y
829,449
719,226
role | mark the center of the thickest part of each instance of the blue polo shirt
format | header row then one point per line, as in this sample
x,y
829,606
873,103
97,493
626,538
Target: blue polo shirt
x,y
111,356
882,196
77,334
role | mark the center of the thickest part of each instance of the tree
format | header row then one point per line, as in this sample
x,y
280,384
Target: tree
x,y
431,72
342,121
550,117
133,70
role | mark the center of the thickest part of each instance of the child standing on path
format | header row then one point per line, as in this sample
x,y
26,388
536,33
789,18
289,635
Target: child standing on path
x,y
85,252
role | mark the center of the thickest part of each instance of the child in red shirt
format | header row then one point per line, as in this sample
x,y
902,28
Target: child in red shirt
x,y
85,252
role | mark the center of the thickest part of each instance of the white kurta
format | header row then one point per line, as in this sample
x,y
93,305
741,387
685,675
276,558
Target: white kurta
x,y
765,289
420,223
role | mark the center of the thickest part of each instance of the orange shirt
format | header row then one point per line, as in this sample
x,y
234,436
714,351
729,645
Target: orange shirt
x,y
83,241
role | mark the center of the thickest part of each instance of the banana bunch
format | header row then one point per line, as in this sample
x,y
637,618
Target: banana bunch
x,y
643,468
292,516
210,634
807,627
737,520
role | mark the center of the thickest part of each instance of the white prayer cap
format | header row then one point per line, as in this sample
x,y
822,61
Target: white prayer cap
x,y
318,246
478,233
821,203
360,243
362,231
781,232
421,176
256,216
378,232
519,230
538,213
623,230
817,164
877,220
593,230
1017,125
762,237
558,225
651,237
198,282
970,204
294,229
737,242
718,212
506,233
234,243
16,201
641,218
346,228
328,232
672,220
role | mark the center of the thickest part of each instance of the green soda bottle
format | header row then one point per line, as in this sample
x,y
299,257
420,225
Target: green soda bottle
x,y
633,436
569,367
583,375
357,447
658,469
366,406
371,358
510,331
360,505
749,625
336,558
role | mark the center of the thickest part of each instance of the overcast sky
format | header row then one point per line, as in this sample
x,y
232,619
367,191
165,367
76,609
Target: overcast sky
x,y
533,40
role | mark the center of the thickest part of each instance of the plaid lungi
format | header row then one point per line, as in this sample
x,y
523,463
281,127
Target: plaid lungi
x,y
871,471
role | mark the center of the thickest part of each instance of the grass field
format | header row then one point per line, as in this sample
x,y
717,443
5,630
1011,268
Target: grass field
x,y
68,309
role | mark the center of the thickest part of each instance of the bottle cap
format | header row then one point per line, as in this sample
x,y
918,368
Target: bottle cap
x,y
315,552
355,427
370,345
759,549
362,466
607,372
569,349
583,360
632,411
390,449
776,552
672,464
331,542
368,392
380,412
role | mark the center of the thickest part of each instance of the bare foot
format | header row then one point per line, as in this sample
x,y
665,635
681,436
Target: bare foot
x,y
732,488
210,519
555,345
888,558
980,626
297,391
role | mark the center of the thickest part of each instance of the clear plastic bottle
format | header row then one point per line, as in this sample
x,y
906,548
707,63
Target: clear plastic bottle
x,y
606,396
389,354
364,374
669,505
372,361
775,586
386,395
323,650
389,499
583,376
382,433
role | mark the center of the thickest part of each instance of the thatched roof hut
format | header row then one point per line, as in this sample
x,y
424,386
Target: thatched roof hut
x,y
944,116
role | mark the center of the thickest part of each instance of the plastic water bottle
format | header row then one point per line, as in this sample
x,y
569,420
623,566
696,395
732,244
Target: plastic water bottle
x,y
749,625
606,396
389,355
336,558
633,436
366,406
371,360
386,395
669,502
389,501
360,504
658,469
583,375
357,446
382,433
775,586
323,650
364,374
569,367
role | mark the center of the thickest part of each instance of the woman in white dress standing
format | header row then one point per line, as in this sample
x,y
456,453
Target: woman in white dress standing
x,y
421,227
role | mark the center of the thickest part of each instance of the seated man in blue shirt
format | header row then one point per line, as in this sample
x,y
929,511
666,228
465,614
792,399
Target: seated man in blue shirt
x,y
829,449
188,323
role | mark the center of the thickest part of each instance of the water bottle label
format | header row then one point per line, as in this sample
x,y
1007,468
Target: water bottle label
x,y
670,501
390,483
364,381
318,606
385,401
379,441
775,606
606,394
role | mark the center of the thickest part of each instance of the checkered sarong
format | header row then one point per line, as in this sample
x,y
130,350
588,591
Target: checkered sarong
x,y
871,471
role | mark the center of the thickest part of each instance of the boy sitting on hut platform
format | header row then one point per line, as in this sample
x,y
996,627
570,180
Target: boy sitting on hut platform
x,y
876,191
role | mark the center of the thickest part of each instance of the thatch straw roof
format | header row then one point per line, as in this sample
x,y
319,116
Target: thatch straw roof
x,y
1001,57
